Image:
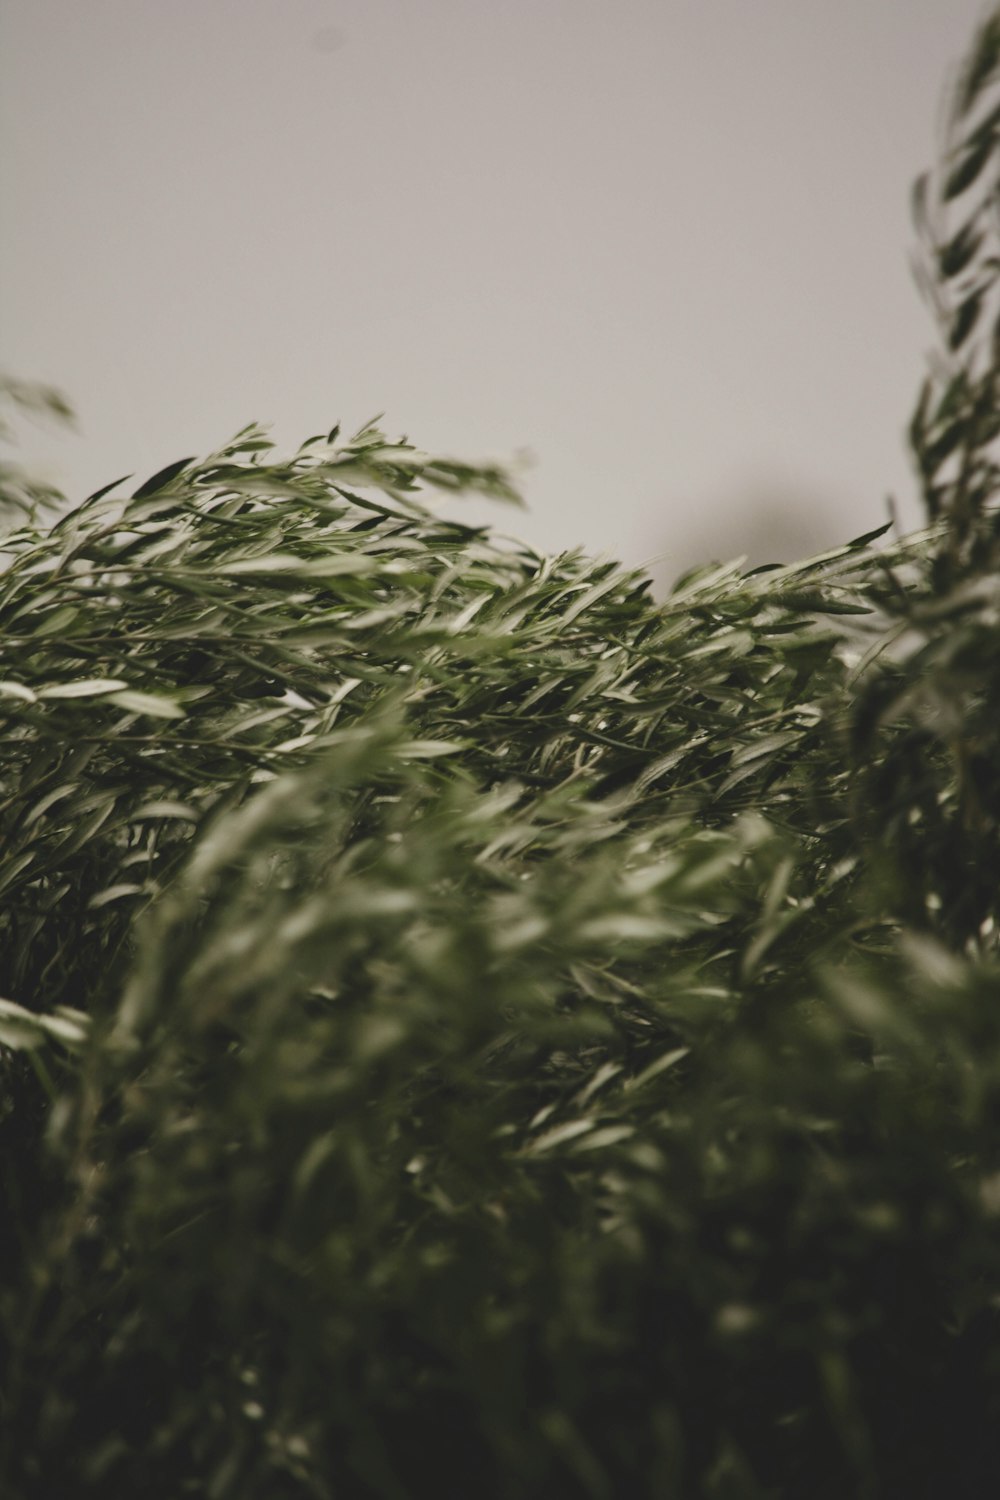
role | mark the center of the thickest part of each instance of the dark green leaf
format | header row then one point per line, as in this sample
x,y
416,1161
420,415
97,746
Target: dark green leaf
x,y
107,488
981,65
954,257
965,319
870,536
968,169
161,478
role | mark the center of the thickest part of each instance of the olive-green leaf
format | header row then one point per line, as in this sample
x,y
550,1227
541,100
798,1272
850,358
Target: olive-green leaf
x,y
968,169
161,478
87,687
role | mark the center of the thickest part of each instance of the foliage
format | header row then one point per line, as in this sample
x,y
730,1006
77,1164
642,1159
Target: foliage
x,y
21,495
472,1027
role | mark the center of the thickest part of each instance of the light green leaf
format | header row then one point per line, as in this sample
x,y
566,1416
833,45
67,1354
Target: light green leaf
x,y
559,1135
668,1060
165,808
116,893
91,687
17,690
428,749
608,1135
154,704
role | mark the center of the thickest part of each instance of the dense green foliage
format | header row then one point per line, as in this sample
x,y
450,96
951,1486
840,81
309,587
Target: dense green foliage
x,y
472,1028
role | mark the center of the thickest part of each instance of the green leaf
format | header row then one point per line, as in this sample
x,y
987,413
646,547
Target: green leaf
x,y
822,604
969,168
161,478
607,1135
106,489
57,621
766,745
87,687
981,65
22,1029
116,893
867,537
965,319
17,690
661,1065
559,1135
156,705
19,1029
428,749
12,867
333,566
960,251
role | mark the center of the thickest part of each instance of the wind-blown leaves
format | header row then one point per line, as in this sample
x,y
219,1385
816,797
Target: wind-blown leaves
x,y
363,841
474,1028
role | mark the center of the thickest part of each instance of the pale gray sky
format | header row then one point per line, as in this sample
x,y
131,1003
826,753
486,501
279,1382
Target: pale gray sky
x,y
663,244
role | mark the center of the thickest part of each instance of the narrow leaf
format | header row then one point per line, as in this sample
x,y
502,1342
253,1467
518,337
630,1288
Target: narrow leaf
x,y
154,704
161,478
969,168
91,687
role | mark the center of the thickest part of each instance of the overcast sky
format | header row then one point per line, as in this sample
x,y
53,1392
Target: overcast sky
x,y
662,244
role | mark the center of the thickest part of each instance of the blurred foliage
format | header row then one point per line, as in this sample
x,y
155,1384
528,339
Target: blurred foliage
x,y
22,496
472,1029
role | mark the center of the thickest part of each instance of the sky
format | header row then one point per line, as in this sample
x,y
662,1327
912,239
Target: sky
x,y
658,252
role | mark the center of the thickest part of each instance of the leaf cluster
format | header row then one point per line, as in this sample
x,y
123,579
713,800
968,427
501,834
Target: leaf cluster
x,y
470,1026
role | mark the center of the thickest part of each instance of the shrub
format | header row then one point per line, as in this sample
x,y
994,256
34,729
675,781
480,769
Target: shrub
x,y
473,1027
